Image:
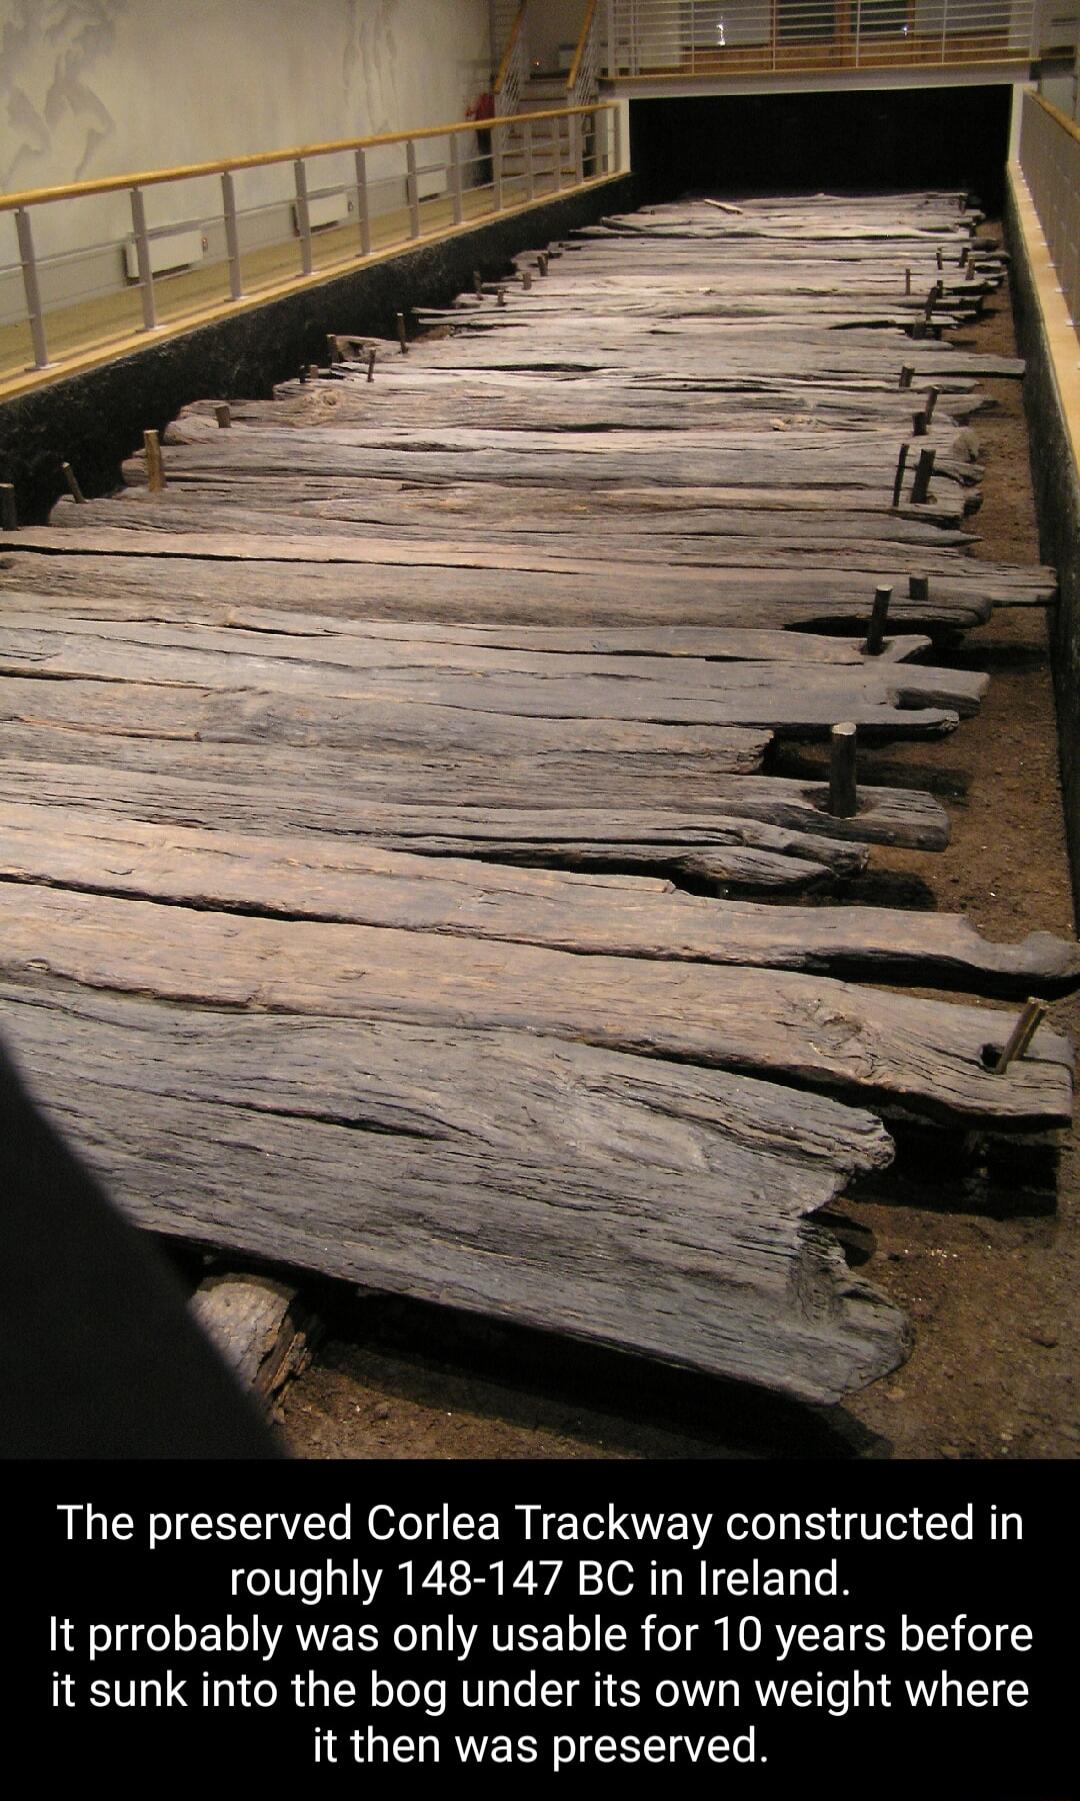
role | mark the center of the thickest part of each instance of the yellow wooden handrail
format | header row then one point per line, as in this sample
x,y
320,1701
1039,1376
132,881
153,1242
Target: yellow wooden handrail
x,y
515,31
146,178
582,41
1060,118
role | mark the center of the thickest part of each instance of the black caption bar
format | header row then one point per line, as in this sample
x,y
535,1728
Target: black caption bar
x,y
740,1624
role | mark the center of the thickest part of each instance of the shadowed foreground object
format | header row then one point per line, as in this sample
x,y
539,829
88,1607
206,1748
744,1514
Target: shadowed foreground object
x,y
100,1358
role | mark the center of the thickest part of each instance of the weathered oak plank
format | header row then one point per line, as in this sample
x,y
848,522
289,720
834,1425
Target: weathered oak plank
x,y
328,879
644,1205
929,1056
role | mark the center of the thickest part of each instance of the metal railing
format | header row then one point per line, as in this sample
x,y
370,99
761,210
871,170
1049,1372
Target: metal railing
x,y
510,82
716,37
1050,160
373,193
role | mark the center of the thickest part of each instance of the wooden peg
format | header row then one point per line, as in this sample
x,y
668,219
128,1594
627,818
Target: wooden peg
x,y
918,587
875,632
371,363
907,375
1021,1035
302,373
313,370
155,468
73,484
920,487
223,414
907,281
9,512
898,479
332,352
478,283
542,262
526,279
919,424
940,264
843,791
928,304
931,402
500,295
399,320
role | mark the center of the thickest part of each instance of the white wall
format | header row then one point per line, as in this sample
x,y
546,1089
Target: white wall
x,y
100,87
551,23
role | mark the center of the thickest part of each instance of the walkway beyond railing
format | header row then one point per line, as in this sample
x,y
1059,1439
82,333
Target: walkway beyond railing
x,y
1050,160
756,37
344,201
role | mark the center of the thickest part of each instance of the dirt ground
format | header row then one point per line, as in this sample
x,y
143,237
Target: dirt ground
x,y
980,1244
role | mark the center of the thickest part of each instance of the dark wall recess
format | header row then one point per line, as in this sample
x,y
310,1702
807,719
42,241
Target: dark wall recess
x,y
844,140
96,420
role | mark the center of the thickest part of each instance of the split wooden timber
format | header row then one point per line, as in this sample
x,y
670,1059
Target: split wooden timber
x,y
651,1206
931,1057
335,880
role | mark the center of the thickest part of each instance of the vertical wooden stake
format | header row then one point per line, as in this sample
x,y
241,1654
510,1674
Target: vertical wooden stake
x,y
223,415
919,423
399,319
155,468
542,262
73,484
1021,1035
898,479
501,296
843,791
907,375
918,587
907,281
875,634
331,350
478,283
920,487
371,364
526,279
931,402
940,264
9,512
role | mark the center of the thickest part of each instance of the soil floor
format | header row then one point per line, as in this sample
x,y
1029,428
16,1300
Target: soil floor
x,y
979,1243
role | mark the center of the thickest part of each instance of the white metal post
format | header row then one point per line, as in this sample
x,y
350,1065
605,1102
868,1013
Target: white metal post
x,y
303,216
31,289
412,189
363,210
142,251
455,177
232,234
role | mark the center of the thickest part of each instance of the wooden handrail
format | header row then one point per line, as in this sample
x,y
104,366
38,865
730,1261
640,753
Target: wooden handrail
x,y
515,30
1059,117
582,41
113,184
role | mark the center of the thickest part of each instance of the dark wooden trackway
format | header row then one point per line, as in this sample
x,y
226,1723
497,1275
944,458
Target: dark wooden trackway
x,y
349,777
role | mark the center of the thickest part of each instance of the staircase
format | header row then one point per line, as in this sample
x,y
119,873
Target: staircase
x,y
559,147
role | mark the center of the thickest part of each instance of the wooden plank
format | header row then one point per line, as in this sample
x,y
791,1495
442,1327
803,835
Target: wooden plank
x,y
776,598
260,1326
328,879
656,1208
887,1048
730,854
882,696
